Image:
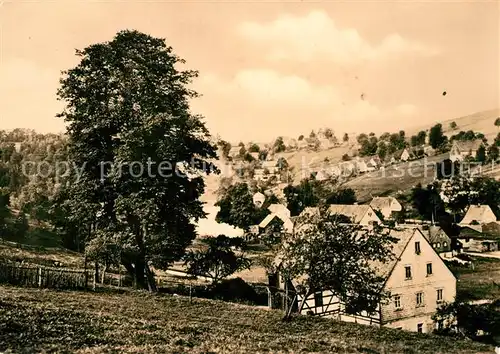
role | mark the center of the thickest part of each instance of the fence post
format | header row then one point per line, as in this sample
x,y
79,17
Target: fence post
x,y
86,273
269,298
190,293
94,278
39,277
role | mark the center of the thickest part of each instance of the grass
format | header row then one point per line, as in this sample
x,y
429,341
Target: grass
x,y
481,283
396,178
34,320
37,255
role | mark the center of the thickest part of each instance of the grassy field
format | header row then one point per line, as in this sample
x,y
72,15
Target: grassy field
x,y
137,322
479,122
400,177
481,283
45,256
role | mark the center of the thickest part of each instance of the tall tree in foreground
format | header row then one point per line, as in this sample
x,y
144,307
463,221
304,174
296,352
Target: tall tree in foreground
x,y
139,150
325,254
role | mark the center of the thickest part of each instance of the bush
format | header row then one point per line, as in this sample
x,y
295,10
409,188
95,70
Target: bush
x,y
235,290
464,257
231,290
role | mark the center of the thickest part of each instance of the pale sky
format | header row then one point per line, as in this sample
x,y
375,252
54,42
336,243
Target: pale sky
x,y
272,68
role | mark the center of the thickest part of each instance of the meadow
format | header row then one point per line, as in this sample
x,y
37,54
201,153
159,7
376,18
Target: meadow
x,y
127,321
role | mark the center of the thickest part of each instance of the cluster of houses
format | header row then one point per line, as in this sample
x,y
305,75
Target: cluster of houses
x,y
417,279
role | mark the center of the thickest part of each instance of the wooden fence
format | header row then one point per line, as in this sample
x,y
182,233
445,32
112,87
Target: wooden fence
x,y
43,277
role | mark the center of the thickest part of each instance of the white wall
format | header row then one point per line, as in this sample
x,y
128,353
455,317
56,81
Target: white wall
x,y
442,278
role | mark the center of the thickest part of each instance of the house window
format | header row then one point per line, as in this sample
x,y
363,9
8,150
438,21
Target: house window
x,y
420,327
408,272
439,245
429,268
318,299
420,299
397,302
439,293
445,244
417,247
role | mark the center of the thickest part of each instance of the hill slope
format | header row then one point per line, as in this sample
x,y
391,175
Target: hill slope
x,y
137,322
479,122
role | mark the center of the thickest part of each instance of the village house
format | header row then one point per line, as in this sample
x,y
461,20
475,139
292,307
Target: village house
x,y
335,171
234,152
302,144
358,214
386,205
479,230
261,174
438,239
321,175
270,166
280,212
258,199
484,239
417,280
477,215
460,150
255,155
403,155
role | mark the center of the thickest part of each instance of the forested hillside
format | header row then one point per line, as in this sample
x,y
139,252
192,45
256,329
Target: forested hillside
x,y
32,173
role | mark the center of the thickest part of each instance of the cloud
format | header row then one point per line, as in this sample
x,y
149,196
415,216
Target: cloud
x,y
260,104
317,36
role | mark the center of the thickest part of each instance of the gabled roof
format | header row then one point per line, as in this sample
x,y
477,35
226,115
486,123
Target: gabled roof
x,y
402,236
433,234
492,229
287,222
269,164
467,145
382,203
354,212
235,150
279,209
384,270
477,213
259,197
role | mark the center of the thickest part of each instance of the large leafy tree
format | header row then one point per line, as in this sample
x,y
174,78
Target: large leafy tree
x,y
436,136
342,196
236,207
308,193
427,202
326,254
139,151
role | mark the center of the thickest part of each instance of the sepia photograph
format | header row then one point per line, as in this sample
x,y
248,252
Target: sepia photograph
x,y
250,176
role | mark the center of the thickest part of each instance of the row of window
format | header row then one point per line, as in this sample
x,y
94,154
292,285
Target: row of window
x,y
419,299
408,274
438,245
434,245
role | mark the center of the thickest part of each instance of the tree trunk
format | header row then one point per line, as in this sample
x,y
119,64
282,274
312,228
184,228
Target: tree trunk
x,y
96,273
103,273
150,279
140,279
288,314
